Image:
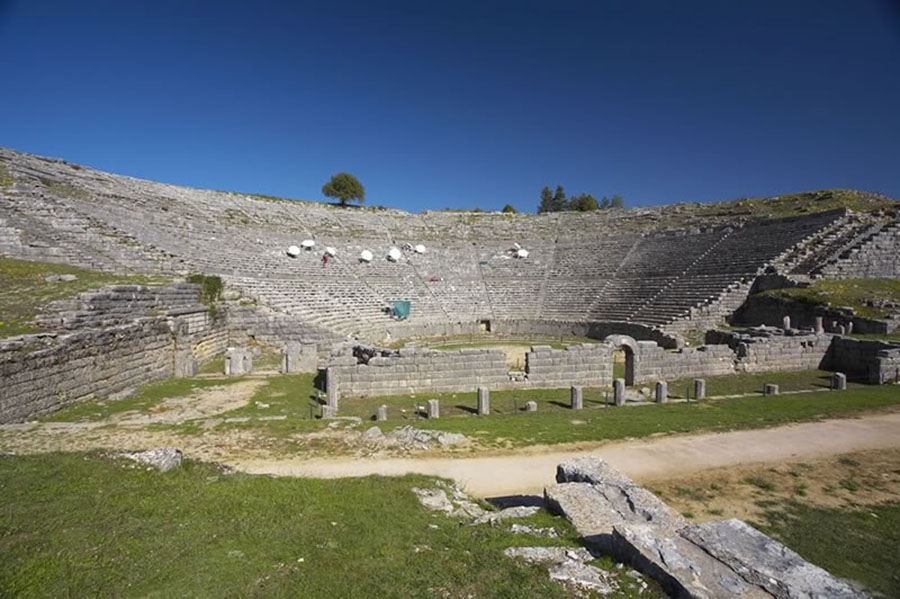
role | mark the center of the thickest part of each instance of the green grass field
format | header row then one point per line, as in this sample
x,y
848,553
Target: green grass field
x,y
77,525
294,397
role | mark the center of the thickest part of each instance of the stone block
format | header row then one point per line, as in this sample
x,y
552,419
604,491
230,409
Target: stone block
x,y
770,389
662,392
381,415
434,409
699,388
576,397
328,412
238,361
765,562
484,401
839,381
619,392
531,406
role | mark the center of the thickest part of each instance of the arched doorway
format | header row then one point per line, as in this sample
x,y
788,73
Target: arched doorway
x,y
623,357
623,364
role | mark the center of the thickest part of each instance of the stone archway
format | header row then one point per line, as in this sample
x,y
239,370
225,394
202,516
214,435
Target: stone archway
x,y
624,349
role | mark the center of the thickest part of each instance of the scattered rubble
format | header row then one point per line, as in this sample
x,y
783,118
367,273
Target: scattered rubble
x,y
405,438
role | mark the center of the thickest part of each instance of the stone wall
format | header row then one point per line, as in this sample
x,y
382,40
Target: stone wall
x,y
653,363
501,327
770,310
588,364
874,362
409,371
275,328
41,374
106,344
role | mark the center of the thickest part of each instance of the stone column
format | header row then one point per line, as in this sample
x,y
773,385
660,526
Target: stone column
x,y
786,323
619,392
662,392
331,388
841,330
838,381
770,389
699,388
434,409
576,397
328,412
850,328
531,406
184,365
484,401
820,327
382,413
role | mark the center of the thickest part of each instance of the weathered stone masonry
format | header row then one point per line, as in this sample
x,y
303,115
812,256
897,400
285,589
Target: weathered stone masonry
x,y
82,365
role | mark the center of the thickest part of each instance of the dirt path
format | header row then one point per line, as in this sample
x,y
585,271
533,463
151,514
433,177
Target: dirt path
x,y
649,459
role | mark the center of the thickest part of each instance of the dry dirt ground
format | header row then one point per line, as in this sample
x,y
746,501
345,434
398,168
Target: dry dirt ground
x,y
745,490
507,473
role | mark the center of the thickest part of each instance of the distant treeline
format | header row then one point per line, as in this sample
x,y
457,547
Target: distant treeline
x,y
558,202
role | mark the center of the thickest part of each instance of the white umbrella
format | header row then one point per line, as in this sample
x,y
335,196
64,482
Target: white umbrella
x,y
308,244
521,253
420,249
366,256
293,251
394,254
330,251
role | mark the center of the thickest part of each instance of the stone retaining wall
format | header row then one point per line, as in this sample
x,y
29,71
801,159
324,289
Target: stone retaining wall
x,y
769,310
411,371
874,362
274,328
41,374
653,363
588,364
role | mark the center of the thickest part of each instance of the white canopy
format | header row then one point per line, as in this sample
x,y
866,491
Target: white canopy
x,y
330,251
394,254
521,253
308,244
293,251
366,256
420,249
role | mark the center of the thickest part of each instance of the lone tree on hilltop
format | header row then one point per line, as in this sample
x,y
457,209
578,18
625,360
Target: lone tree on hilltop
x,y
346,188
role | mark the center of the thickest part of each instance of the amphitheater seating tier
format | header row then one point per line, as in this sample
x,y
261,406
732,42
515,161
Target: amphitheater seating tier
x,y
579,267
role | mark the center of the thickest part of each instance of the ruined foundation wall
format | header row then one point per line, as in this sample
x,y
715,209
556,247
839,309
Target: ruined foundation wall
x,y
588,364
874,362
420,371
40,374
800,352
653,363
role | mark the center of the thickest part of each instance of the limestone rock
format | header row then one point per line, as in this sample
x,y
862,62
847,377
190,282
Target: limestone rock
x,y
583,576
557,555
766,562
163,458
682,568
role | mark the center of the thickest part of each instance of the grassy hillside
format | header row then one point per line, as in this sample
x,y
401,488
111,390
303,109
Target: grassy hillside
x,y
870,298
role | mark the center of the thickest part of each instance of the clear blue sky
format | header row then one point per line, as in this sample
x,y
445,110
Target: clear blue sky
x,y
462,104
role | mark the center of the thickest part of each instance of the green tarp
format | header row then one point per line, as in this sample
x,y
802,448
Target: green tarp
x,y
400,310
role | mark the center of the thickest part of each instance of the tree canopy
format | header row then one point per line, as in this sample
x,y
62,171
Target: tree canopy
x,y
345,188
556,201
509,209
